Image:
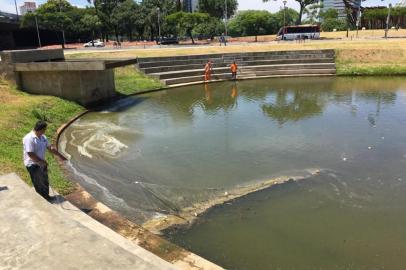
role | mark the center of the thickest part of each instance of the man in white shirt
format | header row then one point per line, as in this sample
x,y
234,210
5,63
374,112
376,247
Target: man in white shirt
x,y
35,145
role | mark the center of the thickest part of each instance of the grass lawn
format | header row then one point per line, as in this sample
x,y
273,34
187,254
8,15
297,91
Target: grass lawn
x,y
130,81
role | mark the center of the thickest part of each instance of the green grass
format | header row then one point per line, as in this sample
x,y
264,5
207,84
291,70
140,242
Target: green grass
x,y
19,113
370,70
130,81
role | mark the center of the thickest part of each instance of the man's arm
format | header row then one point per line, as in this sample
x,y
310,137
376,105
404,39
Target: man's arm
x,y
55,152
37,160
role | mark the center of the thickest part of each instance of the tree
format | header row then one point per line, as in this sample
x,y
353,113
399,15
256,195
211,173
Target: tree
x,y
210,28
259,22
312,13
185,22
303,4
126,15
91,23
291,17
216,8
255,22
52,15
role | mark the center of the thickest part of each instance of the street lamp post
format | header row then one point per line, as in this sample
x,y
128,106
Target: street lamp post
x,y
284,18
387,21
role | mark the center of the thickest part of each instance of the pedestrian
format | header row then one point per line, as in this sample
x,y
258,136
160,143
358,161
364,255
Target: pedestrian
x,y
208,68
234,69
221,40
35,144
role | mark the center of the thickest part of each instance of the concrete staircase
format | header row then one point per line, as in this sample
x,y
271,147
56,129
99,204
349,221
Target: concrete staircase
x,y
189,69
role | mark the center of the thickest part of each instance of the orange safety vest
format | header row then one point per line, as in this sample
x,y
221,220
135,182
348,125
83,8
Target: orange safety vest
x,y
234,68
207,68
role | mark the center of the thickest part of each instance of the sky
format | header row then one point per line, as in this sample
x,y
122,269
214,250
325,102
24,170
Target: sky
x,y
8,5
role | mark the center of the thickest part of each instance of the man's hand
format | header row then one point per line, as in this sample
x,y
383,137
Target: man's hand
x,y
55,152
43,164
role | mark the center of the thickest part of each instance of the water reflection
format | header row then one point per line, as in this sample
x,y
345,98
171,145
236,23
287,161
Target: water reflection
x,y
295,105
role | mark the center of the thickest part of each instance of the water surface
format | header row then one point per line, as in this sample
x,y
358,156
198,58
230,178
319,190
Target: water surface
x,y
156,153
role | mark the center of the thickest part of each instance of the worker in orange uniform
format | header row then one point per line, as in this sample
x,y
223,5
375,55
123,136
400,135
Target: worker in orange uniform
x,y
208,68
234,69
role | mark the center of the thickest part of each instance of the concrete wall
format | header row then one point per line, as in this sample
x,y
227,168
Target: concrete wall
x,y
84,87
24,56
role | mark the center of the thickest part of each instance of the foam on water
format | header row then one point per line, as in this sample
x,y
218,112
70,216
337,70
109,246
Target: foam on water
x,y
97,138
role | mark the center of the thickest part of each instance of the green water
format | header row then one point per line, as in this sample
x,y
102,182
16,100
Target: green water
x,y
154,154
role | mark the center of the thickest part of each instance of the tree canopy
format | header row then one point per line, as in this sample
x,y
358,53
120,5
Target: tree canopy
x,y
216,8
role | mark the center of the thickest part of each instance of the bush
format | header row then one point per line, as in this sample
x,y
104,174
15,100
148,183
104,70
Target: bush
x,y
330,24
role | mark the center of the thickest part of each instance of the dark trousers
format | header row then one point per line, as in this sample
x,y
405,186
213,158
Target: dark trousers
x,y
39,178
234,75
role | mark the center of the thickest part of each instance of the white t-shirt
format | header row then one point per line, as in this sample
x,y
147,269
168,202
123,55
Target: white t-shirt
x,y
37,145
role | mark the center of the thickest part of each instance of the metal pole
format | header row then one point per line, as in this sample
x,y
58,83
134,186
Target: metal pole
x,y
225,17
36,24
159,25
15,2
284,19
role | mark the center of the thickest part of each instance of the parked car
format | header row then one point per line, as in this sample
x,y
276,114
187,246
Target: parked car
x,y
97,43
167,40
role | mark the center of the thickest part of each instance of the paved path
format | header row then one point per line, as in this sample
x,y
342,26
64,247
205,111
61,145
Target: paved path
x,y
39,235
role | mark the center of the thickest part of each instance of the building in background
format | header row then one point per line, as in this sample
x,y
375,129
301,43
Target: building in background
x,y
28,7
190,5
341,5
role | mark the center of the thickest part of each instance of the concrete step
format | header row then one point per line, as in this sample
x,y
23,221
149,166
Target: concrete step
x,y
179,67
197,72
206,56
175,62
241,63
244,58
242,75
286,72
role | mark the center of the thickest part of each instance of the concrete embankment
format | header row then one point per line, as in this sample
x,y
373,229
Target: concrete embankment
x,y
38,235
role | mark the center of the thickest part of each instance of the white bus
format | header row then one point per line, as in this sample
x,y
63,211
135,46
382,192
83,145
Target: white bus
x,y
299,32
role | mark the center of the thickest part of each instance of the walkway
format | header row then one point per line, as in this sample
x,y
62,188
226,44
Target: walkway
x,y
39,235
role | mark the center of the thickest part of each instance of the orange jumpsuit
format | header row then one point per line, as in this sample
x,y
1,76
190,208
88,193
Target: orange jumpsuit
x,y
207,72
234,69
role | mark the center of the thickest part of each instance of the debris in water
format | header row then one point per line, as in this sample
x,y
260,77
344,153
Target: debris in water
x,y
344,159
369,147
383,138
226,193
